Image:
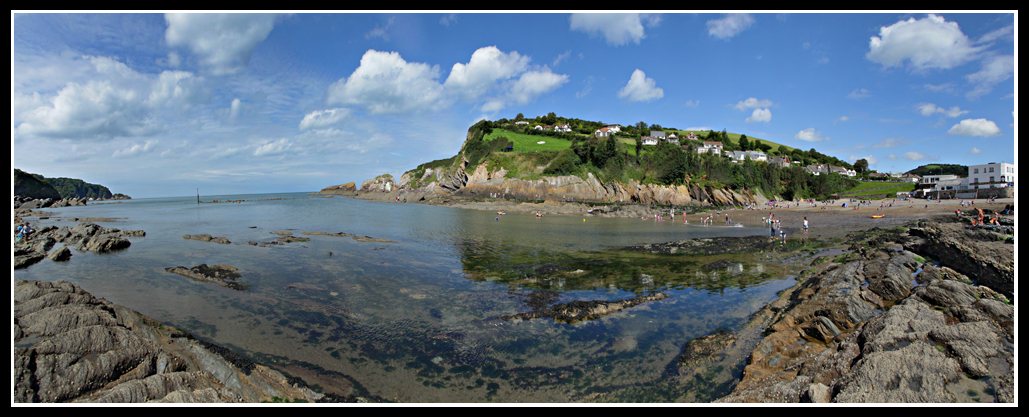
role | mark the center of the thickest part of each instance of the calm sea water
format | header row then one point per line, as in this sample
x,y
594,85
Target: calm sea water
x,y
418,319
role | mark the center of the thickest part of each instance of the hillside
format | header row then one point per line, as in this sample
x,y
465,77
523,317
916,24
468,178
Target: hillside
x,y
940,169
495,152
29,185
38,186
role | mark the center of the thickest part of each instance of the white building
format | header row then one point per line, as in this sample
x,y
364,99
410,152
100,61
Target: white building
x,y
649,141
991,175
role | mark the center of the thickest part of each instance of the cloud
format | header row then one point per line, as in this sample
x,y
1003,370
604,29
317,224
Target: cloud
x,y
995,70
532,84
640,88
223,42
914,156
487,66
323,118
891,156
730,25
135,149
386,84
841,119
561,57
870,159
111,100
235,108
926,43
381,31
752,103
928,109
616,28
891,142
976,150
691,103
587,89
809,135
760,115
273,148
859,94
945,87
975,127
446,20
1006,33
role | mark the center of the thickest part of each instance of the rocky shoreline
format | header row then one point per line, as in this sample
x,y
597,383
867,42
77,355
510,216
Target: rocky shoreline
x,y
887,322
915,312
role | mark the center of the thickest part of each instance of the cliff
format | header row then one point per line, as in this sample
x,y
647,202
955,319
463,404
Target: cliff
x,y
28,185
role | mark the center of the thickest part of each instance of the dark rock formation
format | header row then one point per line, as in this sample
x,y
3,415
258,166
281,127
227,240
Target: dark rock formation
x,y
884,327
72,347
207,238
576,311
82,236
223,275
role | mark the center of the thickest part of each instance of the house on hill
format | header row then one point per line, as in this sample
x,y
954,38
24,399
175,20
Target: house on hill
x,y
711,147
649,141
659,134
521,122
613,128
563,128
603,132
780,161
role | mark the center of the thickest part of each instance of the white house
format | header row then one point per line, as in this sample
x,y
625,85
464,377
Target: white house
x,y
842,171
603,132
757,156
991,175
691,136
563,128
649,141
713,147
613,128
521,122
735,156
660,134
929,181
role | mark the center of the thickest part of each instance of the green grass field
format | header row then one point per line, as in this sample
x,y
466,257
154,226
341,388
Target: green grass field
x,y
874,188
527,143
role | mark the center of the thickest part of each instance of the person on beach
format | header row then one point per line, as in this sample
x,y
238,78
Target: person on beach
x,y
805,227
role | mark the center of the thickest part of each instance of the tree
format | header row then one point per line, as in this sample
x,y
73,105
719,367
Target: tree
x,y
550,119
519,117
639,148
861,166
744,143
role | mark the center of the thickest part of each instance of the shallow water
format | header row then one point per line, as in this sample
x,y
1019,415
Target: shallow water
x,y
418,319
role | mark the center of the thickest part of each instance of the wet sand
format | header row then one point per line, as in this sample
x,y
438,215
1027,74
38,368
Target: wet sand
x,y
831,222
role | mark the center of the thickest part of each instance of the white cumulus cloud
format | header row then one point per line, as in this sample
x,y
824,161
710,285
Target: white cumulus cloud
x,y
487,66
840,119
273,148
870,159
976,150
809,135
616,28
386,83
730,25
752,103
975,127
914,156
760,115
640,88
135,149
930,42
859,94
109,100
223,42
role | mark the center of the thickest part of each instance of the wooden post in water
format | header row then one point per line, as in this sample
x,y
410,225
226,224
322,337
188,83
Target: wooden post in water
x,y
198,196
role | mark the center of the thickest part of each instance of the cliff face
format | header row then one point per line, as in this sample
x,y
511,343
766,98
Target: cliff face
x,y
484,182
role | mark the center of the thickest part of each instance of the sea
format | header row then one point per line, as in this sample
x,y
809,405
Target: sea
x,y
426,316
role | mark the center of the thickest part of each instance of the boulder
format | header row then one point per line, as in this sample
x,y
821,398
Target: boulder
x,y
60,254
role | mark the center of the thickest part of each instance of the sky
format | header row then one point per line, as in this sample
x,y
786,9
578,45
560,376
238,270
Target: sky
x,y
158,105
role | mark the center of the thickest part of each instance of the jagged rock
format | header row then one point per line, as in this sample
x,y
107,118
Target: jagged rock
x,y
207,238
72,347
220,274
60,254
342,189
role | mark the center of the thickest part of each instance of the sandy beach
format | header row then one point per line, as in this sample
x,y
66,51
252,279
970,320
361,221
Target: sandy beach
x,y
824,221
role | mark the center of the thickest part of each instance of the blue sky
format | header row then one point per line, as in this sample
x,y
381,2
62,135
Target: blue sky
x,y
155,105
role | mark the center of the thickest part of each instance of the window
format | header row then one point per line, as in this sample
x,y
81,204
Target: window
x,y
976,171
991,169
991,179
